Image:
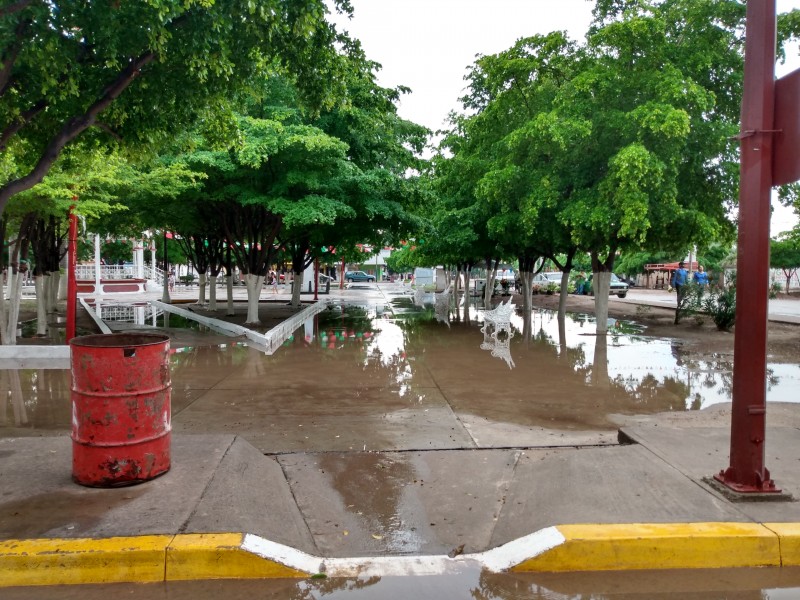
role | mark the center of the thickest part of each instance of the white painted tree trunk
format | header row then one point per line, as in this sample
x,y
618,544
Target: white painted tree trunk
x,y
201,294
212,293
296,287
229,287
562,299
600,380
15,295
600,285
4,290
52,287
488,289
39,284
60,289
254,285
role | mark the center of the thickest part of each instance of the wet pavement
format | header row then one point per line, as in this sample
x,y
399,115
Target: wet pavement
x,y
379,430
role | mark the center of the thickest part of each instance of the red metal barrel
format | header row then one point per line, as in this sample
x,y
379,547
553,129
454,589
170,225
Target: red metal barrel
x,y
120,408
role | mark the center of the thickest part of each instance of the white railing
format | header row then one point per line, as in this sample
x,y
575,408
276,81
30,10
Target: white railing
x,y
127,313
154,274
87,273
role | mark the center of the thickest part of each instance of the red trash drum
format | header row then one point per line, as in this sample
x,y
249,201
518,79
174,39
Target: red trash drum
x,y
120,408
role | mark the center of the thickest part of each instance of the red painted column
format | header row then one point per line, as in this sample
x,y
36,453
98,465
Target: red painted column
x,y
316,279
72,287
747,472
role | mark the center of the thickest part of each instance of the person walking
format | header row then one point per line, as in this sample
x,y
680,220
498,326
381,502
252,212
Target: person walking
x,y
274,281
171,281
700,276
678,282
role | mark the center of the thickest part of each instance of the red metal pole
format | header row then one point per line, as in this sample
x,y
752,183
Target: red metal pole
x,y
72,287
316,279
747,472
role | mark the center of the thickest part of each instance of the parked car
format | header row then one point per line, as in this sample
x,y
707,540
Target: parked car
x,y
545,279
616,287
351,276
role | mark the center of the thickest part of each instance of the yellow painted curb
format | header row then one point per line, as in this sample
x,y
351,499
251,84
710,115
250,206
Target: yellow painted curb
x,y
789,535
219,556
595,547
65,561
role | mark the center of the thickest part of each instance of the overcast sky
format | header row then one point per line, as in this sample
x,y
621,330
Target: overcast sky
x,y
427,46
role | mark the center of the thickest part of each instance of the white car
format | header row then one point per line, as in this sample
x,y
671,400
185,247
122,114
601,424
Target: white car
x,y
545,279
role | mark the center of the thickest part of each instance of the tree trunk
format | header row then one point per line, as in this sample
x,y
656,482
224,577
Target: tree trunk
x,y
254,285
467,277
297,285
212,293
5,288
52,287
562,300
600,379
15,294
600,284
491,275
229,286
201,294
39,283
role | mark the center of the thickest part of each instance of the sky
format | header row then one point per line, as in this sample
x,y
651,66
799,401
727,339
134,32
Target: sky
x,y
427,45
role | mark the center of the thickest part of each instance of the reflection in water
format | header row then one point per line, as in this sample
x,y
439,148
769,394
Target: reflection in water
x,y
497,332
564,376
719,584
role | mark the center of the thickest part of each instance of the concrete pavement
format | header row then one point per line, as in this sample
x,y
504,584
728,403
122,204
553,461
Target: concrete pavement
x,y
780,310
227,510
641,505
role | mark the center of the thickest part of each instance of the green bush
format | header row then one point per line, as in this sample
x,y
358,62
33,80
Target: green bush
x,y
721,305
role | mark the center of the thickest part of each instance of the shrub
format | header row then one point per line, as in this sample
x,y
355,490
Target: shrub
x,y
721,305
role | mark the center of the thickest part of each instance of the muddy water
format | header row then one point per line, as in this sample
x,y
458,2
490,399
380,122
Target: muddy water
x,y
398,376
722,584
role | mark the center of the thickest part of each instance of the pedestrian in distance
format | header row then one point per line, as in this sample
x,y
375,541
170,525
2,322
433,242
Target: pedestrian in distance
x,y
580,283
678,282
700,276
171,280
274,281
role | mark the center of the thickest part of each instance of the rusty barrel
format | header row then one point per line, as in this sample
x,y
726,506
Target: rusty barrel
x,y
120,408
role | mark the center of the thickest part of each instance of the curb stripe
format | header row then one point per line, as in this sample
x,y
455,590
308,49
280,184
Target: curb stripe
x,y
586,547
659,546
220,556
64,561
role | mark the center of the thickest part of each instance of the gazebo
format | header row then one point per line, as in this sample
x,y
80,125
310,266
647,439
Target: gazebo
x,y
664,272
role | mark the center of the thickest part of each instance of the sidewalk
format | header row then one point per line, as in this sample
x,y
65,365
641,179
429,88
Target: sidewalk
x,y
227,510
779,310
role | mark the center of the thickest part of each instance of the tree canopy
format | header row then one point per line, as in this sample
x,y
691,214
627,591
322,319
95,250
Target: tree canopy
x,y
138,71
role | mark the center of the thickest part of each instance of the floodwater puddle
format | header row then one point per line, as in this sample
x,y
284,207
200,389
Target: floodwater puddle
x,y
402,374
717,584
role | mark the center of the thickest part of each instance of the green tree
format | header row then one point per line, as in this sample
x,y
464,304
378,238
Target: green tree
x,y
784,254
138,72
